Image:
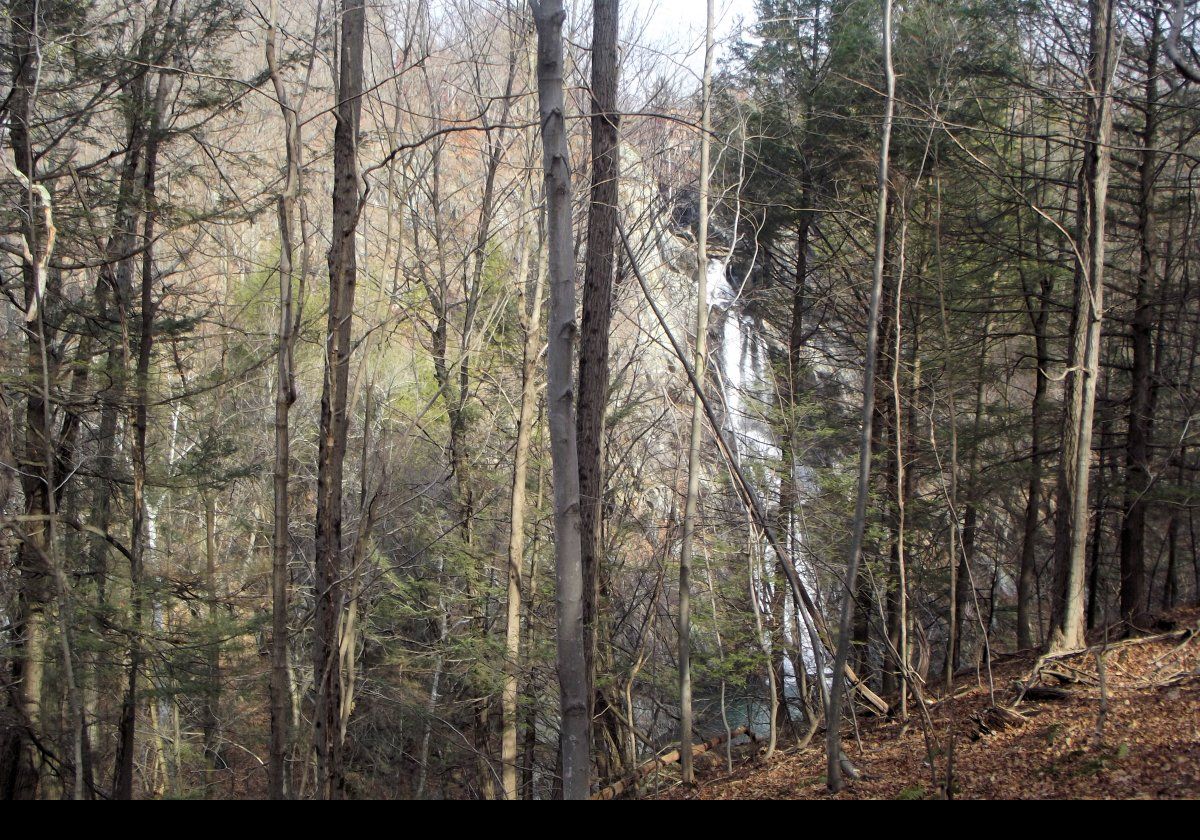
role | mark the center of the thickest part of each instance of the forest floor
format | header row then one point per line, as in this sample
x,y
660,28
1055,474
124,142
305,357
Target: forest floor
x,y
1146,745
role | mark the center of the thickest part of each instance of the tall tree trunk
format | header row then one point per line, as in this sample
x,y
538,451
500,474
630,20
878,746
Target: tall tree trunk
x,y
334,420
285,396
833,740
211,715
1104,469
20,766
1137,446
572,668
459,416
1071,525
952,531
883,437
114,290
964,581
126,739
833,718
789,486
698,364
595,323
529,747
901,480
531,316
1028,620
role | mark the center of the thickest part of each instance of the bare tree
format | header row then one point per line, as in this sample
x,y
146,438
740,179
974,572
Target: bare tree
x,y
1067,620
596,319
530,315
1185,68
334,420
833,734
698,364
572,669
1142,392
285,395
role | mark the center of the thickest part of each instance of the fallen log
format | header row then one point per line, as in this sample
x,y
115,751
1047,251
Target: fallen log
x,y
618,787
995,719
1047,693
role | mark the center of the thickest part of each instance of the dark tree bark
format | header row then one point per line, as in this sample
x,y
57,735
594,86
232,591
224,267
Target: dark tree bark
x,y
883,437
1105,480
343,271
22,713
595,323
1141,399
963,581
1028,621
127,738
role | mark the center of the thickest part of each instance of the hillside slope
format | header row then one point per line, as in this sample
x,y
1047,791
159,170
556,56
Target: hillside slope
x,y
1128,730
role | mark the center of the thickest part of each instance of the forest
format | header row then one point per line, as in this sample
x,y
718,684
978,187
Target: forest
x,y
529,399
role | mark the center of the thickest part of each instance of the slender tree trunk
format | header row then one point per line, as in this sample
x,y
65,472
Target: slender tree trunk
x,y
1106,467
39,564
114,290
123,784
212,693
1171,590
833,718
285,396
434,685
884,431
1028,620
777,651
963,580
698,364
529,748
531,316
881,437
898,574
572,667
755,573
459,415
789,482
952,531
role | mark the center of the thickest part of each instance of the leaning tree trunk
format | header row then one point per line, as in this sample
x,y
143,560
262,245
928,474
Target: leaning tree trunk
x,y
572,670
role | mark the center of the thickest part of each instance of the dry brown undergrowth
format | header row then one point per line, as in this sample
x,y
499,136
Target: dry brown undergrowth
x,y
1148,745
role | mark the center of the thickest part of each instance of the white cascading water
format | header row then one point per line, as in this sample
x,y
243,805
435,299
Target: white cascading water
x,y
748,391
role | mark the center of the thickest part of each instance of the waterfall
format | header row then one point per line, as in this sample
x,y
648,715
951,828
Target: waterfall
x,y
748,391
